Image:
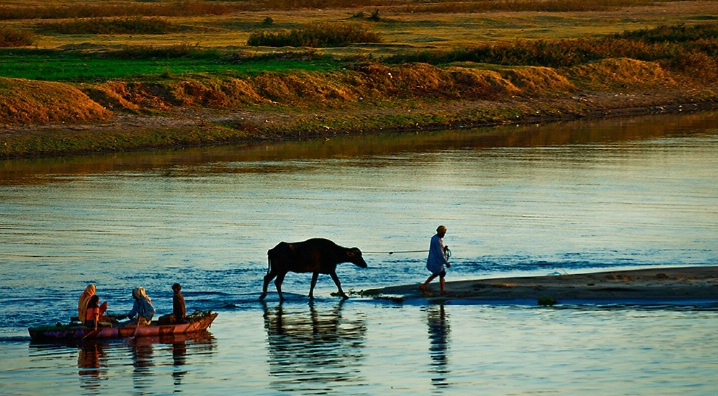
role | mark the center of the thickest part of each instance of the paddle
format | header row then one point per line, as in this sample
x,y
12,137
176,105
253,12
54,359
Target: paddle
x,y
139,322
95,331
92,333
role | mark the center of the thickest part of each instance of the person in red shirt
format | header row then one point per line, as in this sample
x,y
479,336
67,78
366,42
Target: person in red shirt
x,y
94,312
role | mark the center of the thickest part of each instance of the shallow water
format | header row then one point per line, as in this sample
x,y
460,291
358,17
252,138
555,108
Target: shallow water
x,y
584,196
370,348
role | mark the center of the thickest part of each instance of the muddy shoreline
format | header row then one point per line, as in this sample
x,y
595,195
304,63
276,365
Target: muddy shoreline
x,y
697,284
196,127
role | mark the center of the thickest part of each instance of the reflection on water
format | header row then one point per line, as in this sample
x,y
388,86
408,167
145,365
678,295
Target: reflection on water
x,y
437,321
640,192
32,171
179,359
102,363
91,360
373,348
313,350
142,361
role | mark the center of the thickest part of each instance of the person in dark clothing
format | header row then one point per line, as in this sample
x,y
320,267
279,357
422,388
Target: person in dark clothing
x,y
179,312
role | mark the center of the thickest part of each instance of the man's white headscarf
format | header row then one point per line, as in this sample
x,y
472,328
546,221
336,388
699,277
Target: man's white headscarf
x,y
140,294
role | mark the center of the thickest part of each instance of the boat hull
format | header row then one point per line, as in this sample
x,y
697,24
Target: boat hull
x,y
64,333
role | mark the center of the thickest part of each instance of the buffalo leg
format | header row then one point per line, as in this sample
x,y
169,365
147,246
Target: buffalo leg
x,y
339,285
267,278
278,283
314,283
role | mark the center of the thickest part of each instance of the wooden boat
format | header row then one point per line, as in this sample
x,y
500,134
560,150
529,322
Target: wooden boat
x,y
199,321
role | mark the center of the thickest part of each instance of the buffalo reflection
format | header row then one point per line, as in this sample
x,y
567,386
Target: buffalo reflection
x,y
313,351
437,322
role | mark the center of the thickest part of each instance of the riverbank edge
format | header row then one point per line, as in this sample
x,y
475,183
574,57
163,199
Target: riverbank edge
x,y
670,285
196,127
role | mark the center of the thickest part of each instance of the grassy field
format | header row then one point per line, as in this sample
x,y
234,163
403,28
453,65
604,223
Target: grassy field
x,y
281,62
214,39
403,29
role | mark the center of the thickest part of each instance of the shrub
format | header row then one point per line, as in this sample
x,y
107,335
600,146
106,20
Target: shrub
x,y
673,33
670,45
135,25
126,9
316,35
14,38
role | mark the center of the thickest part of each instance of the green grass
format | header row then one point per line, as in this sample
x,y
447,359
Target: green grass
x,y
51,65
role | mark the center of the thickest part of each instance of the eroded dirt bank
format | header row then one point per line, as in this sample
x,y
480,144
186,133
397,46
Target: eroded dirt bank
x,y
49,118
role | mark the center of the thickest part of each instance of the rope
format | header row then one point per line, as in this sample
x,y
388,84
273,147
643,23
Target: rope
x,y
398,251
447,252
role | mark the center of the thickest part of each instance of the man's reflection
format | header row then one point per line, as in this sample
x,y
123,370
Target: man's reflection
x,y
438,325
315,350
142,361
196,342
179,359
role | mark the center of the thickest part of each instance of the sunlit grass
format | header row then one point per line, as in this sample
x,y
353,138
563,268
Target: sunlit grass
x,y
401,31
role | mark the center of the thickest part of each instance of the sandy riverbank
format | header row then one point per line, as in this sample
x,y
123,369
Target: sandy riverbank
x,y
648,285
385,99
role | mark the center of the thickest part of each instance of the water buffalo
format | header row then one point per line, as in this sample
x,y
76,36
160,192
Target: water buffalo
x,y
317,255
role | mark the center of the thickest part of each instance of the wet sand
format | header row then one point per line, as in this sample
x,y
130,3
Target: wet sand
x,y
661,285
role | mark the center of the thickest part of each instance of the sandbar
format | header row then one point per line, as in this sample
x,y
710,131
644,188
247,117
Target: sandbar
x,y
697,284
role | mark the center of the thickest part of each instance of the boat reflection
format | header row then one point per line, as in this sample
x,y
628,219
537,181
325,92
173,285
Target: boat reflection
x,y
97,359
91,360
313,351
437,321
145,351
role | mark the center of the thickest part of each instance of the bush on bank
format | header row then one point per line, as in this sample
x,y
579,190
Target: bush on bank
x,y
316,35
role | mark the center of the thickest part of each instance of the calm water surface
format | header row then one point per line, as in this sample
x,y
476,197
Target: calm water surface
x,y
585,196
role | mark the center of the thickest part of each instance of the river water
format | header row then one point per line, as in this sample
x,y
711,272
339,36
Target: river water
x,y
517,200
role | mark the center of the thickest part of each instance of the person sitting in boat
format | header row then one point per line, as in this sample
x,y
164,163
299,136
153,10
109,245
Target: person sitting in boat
x,y
179,311
82,304
84,300
142,308
93,314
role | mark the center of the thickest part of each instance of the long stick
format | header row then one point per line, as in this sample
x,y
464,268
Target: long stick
x,y
97,319
134,335
398,251
92,333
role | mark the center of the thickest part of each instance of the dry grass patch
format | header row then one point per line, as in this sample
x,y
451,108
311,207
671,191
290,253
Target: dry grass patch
x,y
538,80
30,102
620,73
